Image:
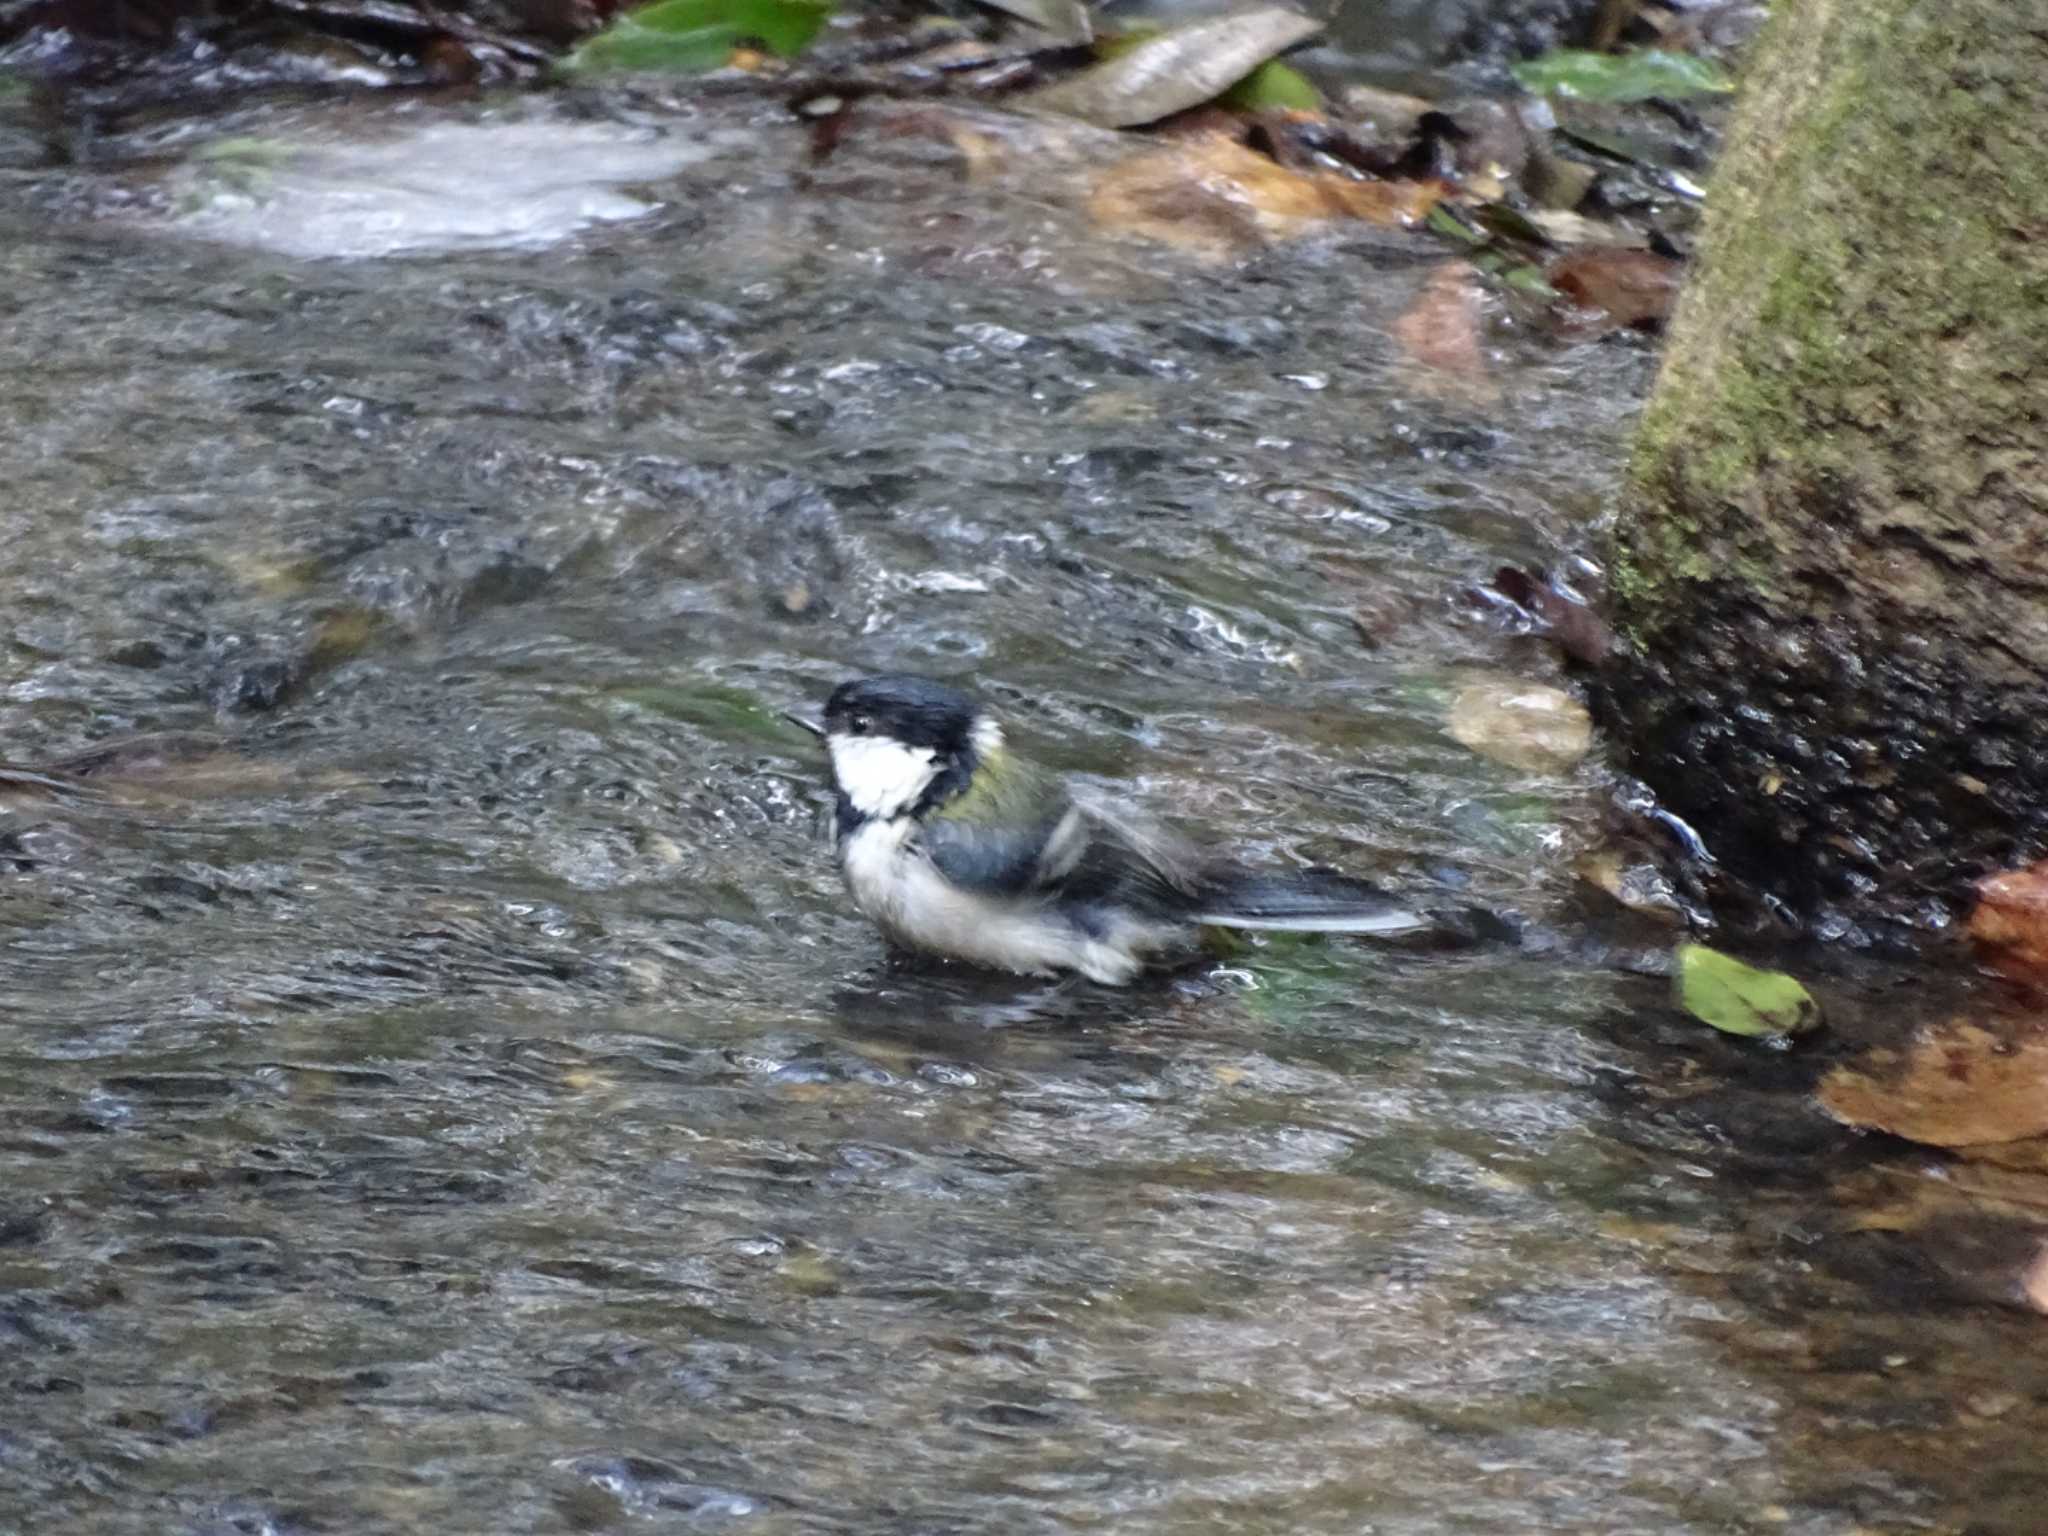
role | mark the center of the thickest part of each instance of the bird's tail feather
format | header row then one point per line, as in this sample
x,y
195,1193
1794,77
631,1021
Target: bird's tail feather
x,y
1308,901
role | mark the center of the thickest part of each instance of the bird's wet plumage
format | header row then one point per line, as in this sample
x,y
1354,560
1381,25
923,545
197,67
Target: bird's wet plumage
x,y
955,845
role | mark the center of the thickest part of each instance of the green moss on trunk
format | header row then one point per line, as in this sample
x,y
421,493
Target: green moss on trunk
x,y
1833,564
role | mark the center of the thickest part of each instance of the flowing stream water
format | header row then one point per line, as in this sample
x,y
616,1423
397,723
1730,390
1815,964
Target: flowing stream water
x,y
442,1084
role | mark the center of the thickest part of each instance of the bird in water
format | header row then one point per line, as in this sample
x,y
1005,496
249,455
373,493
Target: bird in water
x,y
956,846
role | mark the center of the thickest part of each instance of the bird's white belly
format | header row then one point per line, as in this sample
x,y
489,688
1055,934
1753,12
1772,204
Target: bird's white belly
x,y
899,888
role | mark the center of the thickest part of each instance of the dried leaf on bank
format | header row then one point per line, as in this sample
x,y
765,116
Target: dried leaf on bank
x,y
1168,72
693,36
1634,288
1960,1084
1213,196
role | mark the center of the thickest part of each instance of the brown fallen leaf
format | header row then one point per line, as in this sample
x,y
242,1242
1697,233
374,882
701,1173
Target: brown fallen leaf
x,y
1440,328
1956,1085
2011,917
1214,197
1633,288
1579,630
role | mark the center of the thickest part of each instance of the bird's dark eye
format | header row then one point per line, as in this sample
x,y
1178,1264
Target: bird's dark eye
x,y
860,725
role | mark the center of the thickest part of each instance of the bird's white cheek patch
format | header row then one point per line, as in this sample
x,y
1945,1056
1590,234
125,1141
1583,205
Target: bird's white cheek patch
x,y
881,778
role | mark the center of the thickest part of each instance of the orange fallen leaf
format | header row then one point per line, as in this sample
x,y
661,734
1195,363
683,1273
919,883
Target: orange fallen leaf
x,y
1214,197
1633,287
1957,1085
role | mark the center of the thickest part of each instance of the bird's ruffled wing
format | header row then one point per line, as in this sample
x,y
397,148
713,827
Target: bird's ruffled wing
x,y
1017,830
1012,831
1126,864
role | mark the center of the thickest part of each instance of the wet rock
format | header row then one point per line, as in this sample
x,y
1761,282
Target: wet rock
x,y
22,1225
250,676
144,655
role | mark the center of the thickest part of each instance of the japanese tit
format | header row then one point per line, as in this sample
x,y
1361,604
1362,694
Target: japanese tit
x,y
957,847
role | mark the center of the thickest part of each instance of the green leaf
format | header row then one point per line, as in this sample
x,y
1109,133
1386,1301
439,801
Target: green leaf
x,y
1739,999
691,36
1273,87
627,46
1530,280
1621,76
1442,221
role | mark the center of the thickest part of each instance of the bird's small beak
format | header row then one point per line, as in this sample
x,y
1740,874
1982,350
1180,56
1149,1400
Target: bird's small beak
x,y
806,722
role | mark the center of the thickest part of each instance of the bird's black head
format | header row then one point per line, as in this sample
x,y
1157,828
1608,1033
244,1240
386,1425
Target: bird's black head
x,y
915,711
899,742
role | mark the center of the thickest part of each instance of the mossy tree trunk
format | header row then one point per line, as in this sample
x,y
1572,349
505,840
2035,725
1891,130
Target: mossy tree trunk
x,y
1832,567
